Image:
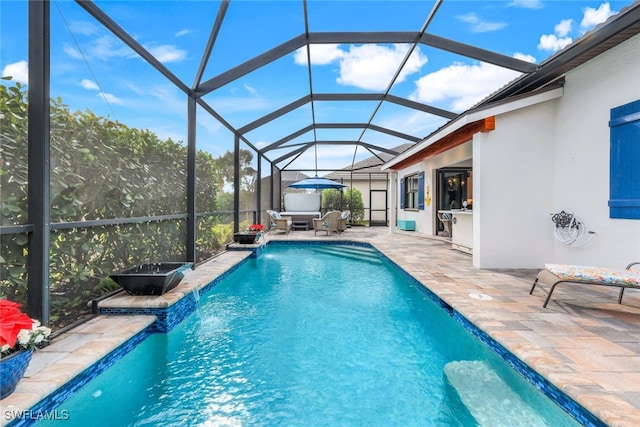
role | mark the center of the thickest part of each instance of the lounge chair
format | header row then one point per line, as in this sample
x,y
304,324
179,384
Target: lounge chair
x,y
328,223
342,221
554,274
279,222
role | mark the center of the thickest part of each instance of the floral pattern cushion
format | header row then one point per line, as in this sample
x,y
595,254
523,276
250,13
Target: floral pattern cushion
x,y
596,274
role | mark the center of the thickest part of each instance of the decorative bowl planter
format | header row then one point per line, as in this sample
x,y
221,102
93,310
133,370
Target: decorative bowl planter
x,y
246,238
151,279
12,369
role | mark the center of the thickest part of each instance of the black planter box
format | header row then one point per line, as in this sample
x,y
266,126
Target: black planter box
x,y
245,238
151,279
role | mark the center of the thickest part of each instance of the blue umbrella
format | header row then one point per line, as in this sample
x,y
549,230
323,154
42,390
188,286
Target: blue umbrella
x,y
317,183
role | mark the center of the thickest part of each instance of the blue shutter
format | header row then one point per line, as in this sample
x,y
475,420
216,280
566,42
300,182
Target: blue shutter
x,y
624,173
402,193
421,191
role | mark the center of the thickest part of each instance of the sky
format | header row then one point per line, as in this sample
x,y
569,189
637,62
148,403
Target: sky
x,y
91,69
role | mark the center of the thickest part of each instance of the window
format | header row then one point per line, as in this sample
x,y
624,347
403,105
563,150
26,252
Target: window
x,y
412,192
624,174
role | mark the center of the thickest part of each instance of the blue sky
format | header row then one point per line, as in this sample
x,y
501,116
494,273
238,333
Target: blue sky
x,y
92,69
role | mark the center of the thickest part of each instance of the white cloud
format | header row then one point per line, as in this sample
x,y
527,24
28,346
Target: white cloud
x,y
168,53
463,85
107,47
211,125
593,17
372,66
478,25
110,98
524,57
18,71
133,87
553,43
89,84
560,39
368,66
85,28
415,123
250,89
527,4
563,28
182,33
321,54
72,51
167,93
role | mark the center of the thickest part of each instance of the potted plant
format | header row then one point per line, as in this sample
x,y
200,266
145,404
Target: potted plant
x,y
19,337
256,228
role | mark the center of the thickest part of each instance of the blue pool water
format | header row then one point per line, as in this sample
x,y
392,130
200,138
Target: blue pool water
x,y
313,335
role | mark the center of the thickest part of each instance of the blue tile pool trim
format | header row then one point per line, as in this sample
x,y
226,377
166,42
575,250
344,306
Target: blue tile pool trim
x,y
577,411
168,318
321,243
583,416
47,405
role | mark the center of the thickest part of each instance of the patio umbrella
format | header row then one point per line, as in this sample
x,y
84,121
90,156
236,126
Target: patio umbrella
x,y
317,183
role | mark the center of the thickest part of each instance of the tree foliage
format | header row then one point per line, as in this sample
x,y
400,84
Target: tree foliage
x,y
102,169
348,199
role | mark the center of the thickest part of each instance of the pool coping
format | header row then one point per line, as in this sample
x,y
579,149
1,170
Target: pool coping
x,y
25,399
79,355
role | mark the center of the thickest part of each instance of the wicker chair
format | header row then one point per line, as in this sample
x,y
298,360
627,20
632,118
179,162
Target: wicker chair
x,y
342,221
279,222
329,223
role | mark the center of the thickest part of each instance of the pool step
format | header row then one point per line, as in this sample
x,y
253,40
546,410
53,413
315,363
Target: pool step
x,y
351,252
487,397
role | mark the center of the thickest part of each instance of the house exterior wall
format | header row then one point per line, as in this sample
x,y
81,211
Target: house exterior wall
x,y
552,157
513,178
581,165
543,159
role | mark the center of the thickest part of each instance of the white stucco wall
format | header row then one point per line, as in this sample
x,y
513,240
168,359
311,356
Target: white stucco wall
x,y
543,159
582,155
513,190
552,157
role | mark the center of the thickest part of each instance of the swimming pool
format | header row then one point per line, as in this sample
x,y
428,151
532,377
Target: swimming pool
x,y
314,335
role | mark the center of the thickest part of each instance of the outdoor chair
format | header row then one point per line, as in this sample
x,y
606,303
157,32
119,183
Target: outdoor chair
x,y
278,222
342,221
328,223
554,274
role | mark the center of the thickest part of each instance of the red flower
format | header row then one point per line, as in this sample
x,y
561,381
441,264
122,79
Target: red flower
x,y
256,227
12,321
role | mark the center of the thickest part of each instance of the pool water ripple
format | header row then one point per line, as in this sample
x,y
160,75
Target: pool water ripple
x,y
300,338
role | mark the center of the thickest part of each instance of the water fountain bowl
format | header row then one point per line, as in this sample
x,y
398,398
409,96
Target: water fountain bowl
x,y
151,279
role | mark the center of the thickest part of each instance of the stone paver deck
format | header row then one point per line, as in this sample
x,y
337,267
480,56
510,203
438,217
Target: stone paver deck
x,y
583,342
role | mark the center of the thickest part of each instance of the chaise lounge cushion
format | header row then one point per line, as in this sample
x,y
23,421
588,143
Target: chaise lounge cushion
x,y
595,274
